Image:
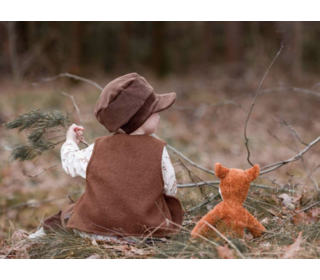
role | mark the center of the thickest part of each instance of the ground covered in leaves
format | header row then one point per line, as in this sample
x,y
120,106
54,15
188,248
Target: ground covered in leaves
x,y
205,124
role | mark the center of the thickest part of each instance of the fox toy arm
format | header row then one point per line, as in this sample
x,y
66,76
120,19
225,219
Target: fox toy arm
x,y
254,226
202,228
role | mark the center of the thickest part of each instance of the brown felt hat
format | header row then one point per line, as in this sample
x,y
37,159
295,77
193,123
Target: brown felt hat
x,y
128,101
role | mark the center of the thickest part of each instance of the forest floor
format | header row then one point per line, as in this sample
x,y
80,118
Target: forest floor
x,y
206,124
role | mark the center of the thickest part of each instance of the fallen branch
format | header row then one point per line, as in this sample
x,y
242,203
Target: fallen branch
x,y
185,158
213,183
274,166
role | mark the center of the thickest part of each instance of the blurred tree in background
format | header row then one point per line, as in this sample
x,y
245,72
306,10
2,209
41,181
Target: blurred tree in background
x,y
33,49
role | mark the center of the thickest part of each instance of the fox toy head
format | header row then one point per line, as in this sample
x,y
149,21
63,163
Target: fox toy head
x,y
235,183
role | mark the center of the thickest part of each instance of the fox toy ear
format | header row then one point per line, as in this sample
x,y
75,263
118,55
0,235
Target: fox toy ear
x,y
220,171
253,172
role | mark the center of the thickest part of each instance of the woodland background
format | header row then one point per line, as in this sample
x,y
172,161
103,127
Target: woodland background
x,y
215,68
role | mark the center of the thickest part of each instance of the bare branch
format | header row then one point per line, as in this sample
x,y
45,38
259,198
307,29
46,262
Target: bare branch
x,y
292,129
74,105
274,166
49,79
310,173
254,102
193,185
311,177
213,183
293,89
315,86
234,101
203,203
185,158
6,148
297,212
266,129
24,172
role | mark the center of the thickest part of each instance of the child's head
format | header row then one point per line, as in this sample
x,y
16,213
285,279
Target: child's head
x,y
149,126
130,104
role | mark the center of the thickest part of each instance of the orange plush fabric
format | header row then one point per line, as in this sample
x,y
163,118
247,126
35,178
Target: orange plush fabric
x,y
229,217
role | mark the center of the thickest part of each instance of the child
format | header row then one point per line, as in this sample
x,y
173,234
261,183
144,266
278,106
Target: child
x,y
130,181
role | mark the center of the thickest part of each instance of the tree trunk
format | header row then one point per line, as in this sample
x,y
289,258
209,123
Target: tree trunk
x,y
124,47
77,32
159,55
234,43
297,41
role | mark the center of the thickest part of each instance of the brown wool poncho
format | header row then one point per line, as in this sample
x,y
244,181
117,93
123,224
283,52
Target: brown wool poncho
x,y
124,190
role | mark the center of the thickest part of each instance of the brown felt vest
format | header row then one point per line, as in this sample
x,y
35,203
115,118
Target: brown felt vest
x,y
124,190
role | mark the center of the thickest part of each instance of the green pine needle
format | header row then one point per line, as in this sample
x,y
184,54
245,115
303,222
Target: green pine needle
x,y
36,123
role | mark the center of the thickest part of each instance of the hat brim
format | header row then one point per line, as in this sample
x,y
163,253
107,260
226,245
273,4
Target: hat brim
x,y
165,101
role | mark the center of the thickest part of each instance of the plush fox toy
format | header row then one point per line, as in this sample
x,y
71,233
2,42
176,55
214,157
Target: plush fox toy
x,y
229,217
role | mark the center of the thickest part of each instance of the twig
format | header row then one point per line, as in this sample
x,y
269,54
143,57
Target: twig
x,y
74,105
191,174
6,148
82,141
259,125
24,172
293,130
49,79
311,177
293,89
203,203
274,166
212,183
254,102
193,185
315,86
187,159
234,101
310,173
298,139
307,208
69,196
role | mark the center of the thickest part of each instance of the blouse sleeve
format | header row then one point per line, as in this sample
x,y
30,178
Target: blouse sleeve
x,y
169,177
75,161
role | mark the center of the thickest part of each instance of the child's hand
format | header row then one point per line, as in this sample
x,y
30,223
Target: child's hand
x,y
75,133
